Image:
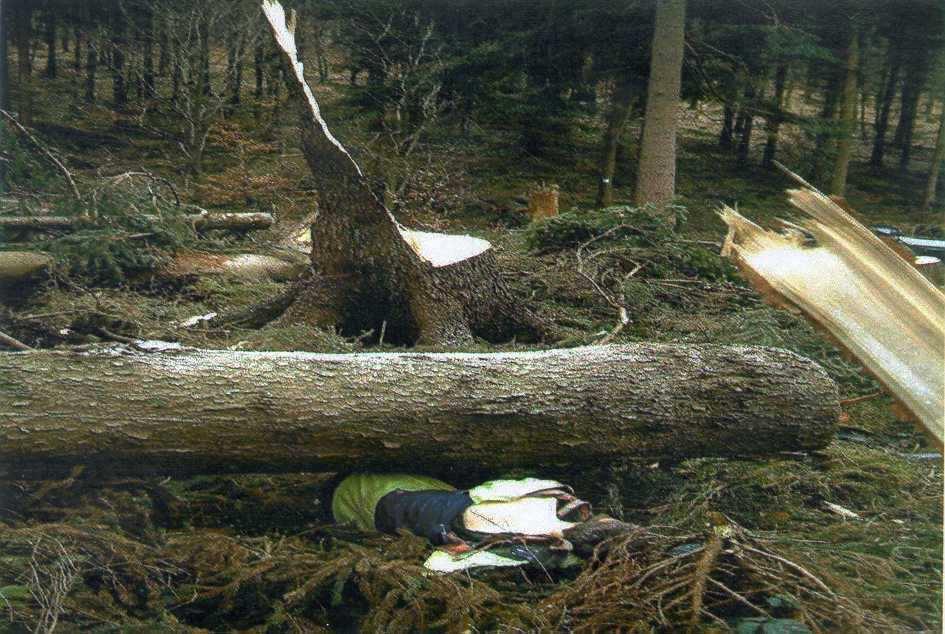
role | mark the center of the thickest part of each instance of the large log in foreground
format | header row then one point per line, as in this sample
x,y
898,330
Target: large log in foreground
x,y
200,411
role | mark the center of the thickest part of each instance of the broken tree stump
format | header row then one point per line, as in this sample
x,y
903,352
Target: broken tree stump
x,y
372,274
203,411
543,202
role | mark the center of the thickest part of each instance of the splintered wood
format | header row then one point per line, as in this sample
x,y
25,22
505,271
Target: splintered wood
x,y
873,302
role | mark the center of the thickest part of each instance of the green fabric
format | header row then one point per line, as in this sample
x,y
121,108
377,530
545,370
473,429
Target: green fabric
x,y
357,496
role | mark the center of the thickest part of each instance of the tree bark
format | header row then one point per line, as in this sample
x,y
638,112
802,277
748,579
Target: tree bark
x,y
24,32
224,221
620,103
906,127
747,119
146,34
775,119
194,411
916,74
935,166
884,105
19,266
828,113
373,273
656,177
726,139
838,182
50,37
16,266
119,88
91,65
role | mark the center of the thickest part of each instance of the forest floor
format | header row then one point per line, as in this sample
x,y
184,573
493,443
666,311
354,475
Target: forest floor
x,y
258,553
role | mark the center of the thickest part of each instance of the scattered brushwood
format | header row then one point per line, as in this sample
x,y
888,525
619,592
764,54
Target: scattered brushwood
x,y
634,236
257,551
725,577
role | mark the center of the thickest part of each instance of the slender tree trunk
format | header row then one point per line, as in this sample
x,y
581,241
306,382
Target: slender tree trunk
x,y
620,103
119,88
4,67
235,53
147,50
24,33
318,35
164,56
177,73
911,92
828,112
79,36
205,86
258,70
50,36
726,139
883,106
838,183
774,120
4,78
91,66
656,176
219,411
935,166
747,117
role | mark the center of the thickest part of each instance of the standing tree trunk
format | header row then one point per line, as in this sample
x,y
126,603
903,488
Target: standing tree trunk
x,y
91,65
4,68
205,55
620,103
318,36
828,112
50,37
4,78
838,183
147,50
656,176
205,411
24,33
883,105
775,119
746,124
935,166
119,89
726,139
373,274
258,70
911,92
164,54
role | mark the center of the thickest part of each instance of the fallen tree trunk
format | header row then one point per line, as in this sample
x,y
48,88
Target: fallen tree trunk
x,y
19,266
202,411
250,266
202,222
16,266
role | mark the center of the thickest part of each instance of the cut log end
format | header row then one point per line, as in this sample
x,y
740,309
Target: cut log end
x,y
440,249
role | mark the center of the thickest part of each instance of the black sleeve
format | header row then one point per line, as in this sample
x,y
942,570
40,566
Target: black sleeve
x,y
428,514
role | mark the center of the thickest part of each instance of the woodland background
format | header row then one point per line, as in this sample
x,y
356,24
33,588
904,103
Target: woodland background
x,y
459,111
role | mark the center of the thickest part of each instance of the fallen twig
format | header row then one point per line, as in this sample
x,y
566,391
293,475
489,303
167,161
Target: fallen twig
x,y
42,148
16,344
